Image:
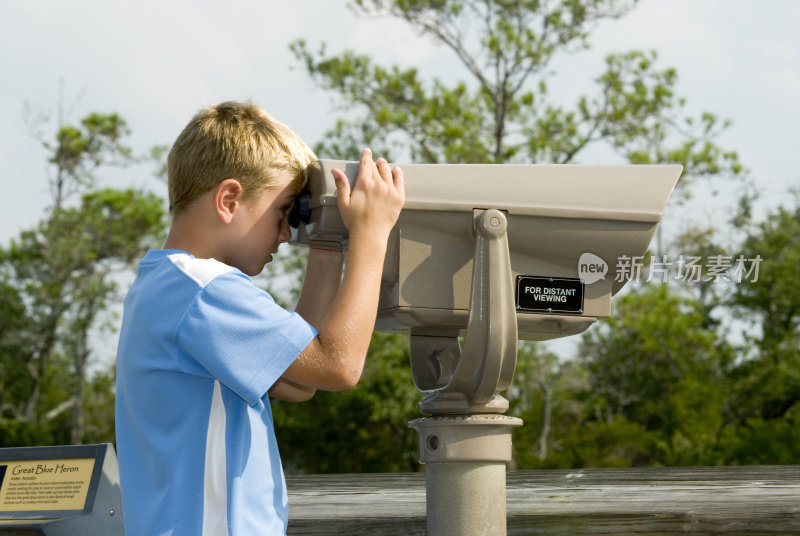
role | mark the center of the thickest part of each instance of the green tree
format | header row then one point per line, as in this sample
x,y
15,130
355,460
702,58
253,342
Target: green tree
x,y
79,150
550,397
14,357
766,393
502,111
59,279
364,429
655,364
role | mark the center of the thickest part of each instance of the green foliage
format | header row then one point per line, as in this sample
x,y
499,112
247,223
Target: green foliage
x,y
649,388
548,395
774,296
502,113
655,363
397,102
63,274
762,442
57,282
766,381
98,403
79,151
364,429
614,443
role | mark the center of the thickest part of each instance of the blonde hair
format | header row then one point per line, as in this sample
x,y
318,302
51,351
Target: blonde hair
x,y
234,140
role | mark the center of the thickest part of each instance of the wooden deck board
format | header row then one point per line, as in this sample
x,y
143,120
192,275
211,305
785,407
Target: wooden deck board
x,y
658,501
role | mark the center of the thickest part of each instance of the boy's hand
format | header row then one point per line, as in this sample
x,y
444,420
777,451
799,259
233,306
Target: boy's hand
x,y
372,207
335,358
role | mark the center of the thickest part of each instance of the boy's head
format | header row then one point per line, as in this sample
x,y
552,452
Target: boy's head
x,y
234,140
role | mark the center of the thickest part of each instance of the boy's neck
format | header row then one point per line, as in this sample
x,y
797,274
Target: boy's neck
x,y
191,234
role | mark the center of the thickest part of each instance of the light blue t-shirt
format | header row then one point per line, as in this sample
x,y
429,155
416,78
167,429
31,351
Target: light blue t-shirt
x,y
199,347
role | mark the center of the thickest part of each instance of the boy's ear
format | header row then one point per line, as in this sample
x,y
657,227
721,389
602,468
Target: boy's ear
x,y
227,197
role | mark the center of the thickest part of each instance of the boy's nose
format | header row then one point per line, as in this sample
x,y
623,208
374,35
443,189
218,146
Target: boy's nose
x,y
285,231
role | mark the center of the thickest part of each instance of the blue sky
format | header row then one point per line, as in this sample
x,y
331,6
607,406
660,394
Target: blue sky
x,y
157,62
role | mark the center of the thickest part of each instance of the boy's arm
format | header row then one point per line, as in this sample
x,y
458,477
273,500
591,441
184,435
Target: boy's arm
x,y
335,358
320,285
321,282
290,391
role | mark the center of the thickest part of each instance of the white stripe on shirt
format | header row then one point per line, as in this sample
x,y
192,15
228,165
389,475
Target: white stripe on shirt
x,y
215,493
203,271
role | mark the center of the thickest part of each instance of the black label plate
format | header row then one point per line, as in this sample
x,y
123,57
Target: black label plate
x,y
549,295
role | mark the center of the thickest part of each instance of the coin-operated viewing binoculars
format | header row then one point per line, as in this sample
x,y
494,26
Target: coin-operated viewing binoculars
x,y
493,254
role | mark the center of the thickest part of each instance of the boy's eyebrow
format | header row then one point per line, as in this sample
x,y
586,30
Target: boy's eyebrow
x,y
290,200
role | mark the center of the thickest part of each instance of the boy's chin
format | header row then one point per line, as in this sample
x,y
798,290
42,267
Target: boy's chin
x,y
255,269
269,259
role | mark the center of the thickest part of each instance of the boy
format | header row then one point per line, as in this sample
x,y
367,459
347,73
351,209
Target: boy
x,y
201,347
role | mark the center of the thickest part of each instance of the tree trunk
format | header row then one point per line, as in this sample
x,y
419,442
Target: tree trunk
x,y
547,412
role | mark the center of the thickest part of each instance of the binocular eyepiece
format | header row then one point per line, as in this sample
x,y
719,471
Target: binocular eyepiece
x,y
301,209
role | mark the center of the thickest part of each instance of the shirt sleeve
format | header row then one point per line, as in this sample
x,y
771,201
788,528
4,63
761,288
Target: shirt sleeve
x,y
240,335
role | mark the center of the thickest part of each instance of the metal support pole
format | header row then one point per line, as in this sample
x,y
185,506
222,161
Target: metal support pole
x,y
467,442
465,472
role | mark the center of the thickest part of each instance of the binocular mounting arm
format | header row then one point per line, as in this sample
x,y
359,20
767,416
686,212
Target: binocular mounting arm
x,y
466,381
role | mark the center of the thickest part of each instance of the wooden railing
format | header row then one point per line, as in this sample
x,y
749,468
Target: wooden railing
x,y
747,501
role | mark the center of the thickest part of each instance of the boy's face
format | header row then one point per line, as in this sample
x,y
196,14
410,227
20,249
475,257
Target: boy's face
x,y
262,225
